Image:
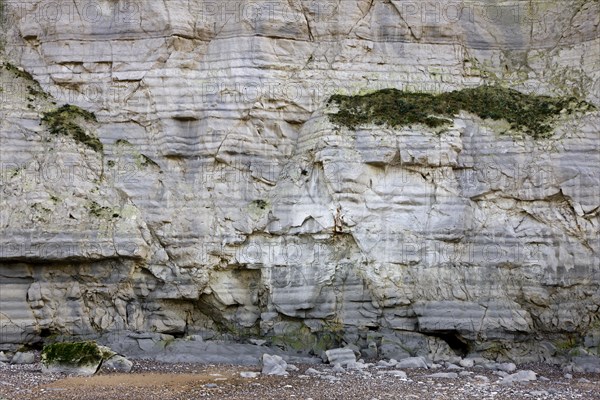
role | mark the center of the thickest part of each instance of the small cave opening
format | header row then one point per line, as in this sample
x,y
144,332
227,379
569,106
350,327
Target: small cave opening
x,y
45,332
45,336
455,341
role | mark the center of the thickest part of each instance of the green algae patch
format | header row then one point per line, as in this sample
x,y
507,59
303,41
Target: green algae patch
x,y
75,354
97,210
303,340
62,121
34,89
261,204
531,114
18,72
143,160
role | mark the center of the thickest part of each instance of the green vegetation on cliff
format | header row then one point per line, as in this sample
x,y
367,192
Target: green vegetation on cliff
x,y
34,89
527,113
18,72
62,122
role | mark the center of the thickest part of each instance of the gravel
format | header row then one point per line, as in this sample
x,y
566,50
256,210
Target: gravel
x,y
151,380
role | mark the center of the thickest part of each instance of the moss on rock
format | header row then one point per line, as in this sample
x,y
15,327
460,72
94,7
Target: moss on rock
x,y
62,122
299,337
34,89
75,354
97,210
21,73
530,114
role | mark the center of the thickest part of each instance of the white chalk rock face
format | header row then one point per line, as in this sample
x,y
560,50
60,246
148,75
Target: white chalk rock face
x,y
212,192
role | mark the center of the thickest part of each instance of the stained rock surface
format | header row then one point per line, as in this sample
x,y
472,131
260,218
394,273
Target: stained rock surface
x,y
212,194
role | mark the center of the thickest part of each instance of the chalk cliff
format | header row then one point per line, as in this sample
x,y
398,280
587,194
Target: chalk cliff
x,y
210,190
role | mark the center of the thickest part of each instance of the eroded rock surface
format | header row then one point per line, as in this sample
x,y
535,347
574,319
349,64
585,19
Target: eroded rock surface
x,y
224,201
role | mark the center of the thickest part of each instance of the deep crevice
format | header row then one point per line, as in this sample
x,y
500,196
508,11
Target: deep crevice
x,y
457,343
45,332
